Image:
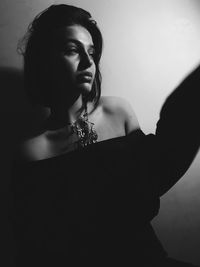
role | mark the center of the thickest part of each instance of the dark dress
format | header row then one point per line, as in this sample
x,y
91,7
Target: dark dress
x,y
94,206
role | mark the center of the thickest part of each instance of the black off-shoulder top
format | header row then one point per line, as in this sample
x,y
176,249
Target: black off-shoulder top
x,y
94,206
91,205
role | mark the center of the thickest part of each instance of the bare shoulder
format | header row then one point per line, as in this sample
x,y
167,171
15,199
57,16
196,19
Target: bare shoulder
x,y
122,109
30,149
114,104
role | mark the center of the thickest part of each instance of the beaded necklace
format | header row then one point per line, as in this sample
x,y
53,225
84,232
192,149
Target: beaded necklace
x,y
84,129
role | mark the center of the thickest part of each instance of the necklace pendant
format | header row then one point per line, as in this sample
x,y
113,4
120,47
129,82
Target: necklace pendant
x,y
84,129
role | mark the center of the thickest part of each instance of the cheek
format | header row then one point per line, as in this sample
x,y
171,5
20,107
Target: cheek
x,y
68,66
94,68
64,63
66,71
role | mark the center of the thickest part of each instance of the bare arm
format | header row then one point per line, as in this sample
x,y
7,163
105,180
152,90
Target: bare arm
x,y
131,121
122,112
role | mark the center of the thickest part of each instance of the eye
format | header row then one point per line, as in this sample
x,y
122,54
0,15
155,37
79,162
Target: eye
x,y
91,52
71,50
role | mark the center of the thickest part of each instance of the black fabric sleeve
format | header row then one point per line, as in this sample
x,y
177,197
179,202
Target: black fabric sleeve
x,y
171,150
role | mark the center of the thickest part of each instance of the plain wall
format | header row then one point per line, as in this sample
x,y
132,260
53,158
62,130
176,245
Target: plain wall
x,y
149,47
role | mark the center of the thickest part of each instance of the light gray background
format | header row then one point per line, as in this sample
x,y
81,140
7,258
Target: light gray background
x,y
149,47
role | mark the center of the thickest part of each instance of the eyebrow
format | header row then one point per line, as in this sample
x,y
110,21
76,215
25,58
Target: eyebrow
x,y
78,42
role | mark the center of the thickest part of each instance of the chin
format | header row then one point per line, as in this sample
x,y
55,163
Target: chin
x,y
85,89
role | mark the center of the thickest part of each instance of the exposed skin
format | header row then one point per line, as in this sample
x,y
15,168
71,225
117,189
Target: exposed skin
x,y
113,117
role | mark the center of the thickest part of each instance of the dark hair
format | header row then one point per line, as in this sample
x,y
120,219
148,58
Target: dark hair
x,y
36,43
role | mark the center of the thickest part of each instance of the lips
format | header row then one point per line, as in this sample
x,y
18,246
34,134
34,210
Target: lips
x,y
86,73
85,76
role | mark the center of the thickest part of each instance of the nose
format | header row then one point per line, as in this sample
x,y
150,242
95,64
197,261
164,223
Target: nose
x,y
86,60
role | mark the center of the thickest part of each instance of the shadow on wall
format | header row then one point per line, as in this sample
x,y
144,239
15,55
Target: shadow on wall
x,y
18,119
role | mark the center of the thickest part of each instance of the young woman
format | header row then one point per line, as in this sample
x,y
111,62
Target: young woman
x,y
87,185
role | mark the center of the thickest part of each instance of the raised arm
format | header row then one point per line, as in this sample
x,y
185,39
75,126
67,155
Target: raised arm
x,y
177,138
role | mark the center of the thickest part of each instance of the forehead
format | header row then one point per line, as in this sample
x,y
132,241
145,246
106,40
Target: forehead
x,y
76,33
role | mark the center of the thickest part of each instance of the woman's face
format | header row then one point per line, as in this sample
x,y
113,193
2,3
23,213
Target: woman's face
x,y
74,65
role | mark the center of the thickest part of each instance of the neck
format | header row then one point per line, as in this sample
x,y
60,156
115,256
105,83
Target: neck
x,y
62,115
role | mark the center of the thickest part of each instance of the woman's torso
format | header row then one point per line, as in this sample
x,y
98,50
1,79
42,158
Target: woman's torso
x,y
87,205
92,204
